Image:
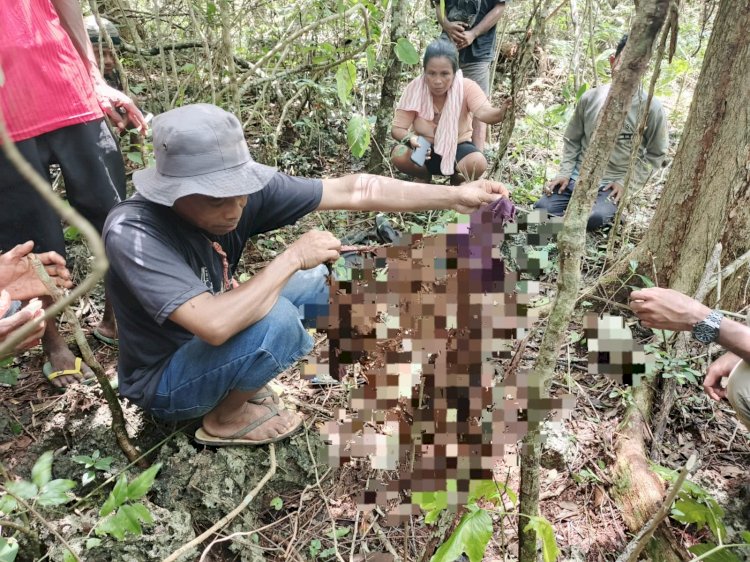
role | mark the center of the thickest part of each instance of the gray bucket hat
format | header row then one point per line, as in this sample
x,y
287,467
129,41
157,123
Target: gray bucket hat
x,y
200,149
92,27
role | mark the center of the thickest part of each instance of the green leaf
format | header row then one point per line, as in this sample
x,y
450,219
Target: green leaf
x,y
23,489
405,51
41,473
88,477
104,464
127,520
482,489
431,502
9,375
345,77
55,492
358,135
745,536
83,459
328,553
142,512
8,549
277,503
116,497
142,484
315,546
718,556
71,234
470,537
546,533
8,504
340,532
136,157
68,556
93,543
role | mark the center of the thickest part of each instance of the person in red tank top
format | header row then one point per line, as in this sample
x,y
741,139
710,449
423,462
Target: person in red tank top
x,y
53,104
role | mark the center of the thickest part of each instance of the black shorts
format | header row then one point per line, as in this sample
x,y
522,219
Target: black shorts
x,y
462,150
94,175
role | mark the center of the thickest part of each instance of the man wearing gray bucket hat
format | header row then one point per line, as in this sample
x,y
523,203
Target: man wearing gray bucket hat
x,y
192,343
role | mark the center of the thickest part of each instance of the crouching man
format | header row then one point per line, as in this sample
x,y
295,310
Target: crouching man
x,y
191,343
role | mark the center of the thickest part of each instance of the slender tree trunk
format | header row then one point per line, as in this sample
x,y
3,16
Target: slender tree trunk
x,y
636,56
707,196
389,89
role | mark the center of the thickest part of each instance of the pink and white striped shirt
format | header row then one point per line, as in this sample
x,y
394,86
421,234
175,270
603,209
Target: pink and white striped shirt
x,y
46,83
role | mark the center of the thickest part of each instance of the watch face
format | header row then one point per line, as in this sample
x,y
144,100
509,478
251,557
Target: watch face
x,y
705,333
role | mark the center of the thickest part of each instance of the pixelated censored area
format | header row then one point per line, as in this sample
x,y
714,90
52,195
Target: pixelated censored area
x,y
613,352
424,324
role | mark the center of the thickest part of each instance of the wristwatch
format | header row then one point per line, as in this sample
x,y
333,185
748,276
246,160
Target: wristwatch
x,y
707,330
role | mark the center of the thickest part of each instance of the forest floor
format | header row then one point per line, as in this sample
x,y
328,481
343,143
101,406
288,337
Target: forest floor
x,y
577,484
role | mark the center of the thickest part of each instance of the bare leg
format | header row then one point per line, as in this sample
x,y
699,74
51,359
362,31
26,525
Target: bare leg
x,y
471,167
235,413
58,353
401,158
107,326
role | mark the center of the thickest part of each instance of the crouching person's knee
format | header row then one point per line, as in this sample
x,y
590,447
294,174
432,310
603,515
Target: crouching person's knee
x,y
598,220
738,392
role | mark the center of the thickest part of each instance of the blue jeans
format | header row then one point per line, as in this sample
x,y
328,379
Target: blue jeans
x,y
601,215
200,375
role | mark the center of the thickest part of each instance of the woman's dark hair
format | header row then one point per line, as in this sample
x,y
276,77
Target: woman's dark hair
x,y
441,48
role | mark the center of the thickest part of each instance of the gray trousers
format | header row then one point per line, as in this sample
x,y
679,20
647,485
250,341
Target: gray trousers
x,y
738,392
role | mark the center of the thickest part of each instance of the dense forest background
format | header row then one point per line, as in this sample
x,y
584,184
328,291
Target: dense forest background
x,y
314,84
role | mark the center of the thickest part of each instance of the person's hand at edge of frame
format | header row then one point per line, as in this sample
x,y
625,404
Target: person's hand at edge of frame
x,y
717,370
18,277
110,99
13,322
314,248
472,196
559,183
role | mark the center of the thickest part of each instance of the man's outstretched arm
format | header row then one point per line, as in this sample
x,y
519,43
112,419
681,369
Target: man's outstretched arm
x,y
365,192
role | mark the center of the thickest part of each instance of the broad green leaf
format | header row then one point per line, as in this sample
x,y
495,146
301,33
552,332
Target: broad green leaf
x,y
718,556
111,525
546,533
745,536
9,375
68,556
8,504
83,459
142,512
328,553
136,157
358,135
116,497
482,489
690,511
315,546
277,503
23,489
345,77
88,477
470,537
55,492
41,473
405,51
8,549
92,543
104,464
140,486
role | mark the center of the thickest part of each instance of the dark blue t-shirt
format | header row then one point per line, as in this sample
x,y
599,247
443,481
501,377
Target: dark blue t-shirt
x,y
158,262
473,12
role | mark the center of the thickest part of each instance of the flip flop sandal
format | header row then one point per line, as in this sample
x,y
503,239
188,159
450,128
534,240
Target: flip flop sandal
x,y
76,371
237,438
113,342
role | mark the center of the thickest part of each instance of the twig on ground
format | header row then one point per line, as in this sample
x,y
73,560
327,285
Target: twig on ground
x,y
386,543
242,534
631,552
295,525
325,499
229,516
43,521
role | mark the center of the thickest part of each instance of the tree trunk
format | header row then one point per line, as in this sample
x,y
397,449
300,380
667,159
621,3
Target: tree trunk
x,y
707,196
571,241
389,89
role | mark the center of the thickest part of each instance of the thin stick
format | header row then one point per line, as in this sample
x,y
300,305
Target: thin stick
x,y
229,516
44,522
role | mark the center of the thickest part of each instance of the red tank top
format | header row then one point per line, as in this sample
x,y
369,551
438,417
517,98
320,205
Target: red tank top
x,y
46,85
